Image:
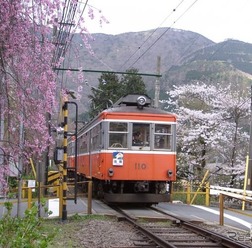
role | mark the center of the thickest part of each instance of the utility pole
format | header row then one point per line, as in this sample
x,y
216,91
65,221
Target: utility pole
x,y
249,174
157,84
1,122
20,163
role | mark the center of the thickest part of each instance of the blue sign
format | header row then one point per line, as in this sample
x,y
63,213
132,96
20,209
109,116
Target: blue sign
x,y
118,158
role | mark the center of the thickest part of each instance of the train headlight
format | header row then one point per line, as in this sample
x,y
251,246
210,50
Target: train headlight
x,y
110,172
141,100
169,172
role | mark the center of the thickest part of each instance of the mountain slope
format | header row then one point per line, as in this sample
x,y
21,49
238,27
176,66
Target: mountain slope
x,y
185,57
236,53
225,62
136,49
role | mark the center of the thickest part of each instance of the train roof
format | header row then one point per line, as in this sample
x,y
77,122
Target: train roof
x,y
135,109
132,103
134,100
138,103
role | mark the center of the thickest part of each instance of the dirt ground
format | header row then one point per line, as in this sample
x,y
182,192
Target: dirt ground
x,y
97,231
91,232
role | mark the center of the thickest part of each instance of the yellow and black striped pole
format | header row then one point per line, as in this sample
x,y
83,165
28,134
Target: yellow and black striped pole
x,y
64,200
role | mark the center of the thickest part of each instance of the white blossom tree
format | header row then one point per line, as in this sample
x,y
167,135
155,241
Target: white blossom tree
x,y
211,123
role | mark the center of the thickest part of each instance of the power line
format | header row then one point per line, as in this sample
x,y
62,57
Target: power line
x,y
102,71
151,34
62,40
163,33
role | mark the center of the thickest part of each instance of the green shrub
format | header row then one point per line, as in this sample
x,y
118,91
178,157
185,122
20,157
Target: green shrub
x,y
26,232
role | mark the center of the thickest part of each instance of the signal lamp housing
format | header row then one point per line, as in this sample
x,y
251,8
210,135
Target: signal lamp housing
x,y
141,100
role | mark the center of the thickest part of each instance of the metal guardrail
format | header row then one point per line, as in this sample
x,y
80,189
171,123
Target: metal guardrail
x,y
191,193
222,205
247,193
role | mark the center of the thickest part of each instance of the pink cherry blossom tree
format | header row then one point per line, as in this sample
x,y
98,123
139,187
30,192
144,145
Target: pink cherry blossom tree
x,y
29,50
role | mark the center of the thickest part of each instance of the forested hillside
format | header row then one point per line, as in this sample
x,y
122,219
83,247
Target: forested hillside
x,y
185,56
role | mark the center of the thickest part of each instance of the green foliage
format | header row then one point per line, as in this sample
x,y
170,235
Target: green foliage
x,y
76,217
199,200
132,83
28,176
110,89
106,94
83,117
24,232
197,75
12,182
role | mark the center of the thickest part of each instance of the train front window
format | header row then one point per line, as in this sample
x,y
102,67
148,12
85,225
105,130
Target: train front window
x,y
141,134
163,136
118,132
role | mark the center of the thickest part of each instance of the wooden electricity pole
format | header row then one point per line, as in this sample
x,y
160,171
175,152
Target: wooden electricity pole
x,y
249,174
157,84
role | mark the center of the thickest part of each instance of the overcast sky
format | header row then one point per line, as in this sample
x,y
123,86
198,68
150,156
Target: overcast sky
x,y
217,20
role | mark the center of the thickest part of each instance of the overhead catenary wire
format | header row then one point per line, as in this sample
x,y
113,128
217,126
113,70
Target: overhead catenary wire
x,y
152,33
94,55
64,49
169,28
86,3
62,40
76,26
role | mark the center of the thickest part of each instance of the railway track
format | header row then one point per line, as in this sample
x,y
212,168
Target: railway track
x,y
170,231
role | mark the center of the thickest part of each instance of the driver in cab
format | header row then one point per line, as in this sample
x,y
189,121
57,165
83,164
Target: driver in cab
x,y
137,139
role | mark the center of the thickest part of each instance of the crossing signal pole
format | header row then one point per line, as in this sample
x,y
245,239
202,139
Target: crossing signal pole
x,y
65,164
64,183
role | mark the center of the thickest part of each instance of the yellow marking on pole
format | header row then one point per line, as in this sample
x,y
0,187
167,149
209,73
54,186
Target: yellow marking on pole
x,y
90,185
188,193
33,169
221,199
200,186
64,202
60,200
245,182
53,176
29,199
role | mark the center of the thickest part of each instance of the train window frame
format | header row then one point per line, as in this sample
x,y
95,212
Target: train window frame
x,y
83,143
120,136
144,129
96,137
71,148
163,139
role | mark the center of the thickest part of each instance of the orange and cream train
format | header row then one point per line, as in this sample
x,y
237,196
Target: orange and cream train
x,y
129,151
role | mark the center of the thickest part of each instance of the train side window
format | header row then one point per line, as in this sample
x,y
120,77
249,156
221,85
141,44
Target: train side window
x,y
118,132
82,144
85,142
163,136
71,148
96,138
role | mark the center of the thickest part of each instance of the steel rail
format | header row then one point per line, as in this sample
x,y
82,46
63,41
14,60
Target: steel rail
x,y
214,236
157,240
225,241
